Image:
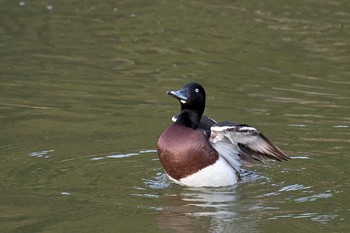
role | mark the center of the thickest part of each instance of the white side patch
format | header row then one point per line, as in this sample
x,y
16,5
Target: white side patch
x,y
218,174
174,119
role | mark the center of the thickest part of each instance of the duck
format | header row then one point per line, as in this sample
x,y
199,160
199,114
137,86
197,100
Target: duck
x,y
197,151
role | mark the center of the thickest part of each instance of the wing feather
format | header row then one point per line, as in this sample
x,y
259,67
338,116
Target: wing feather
x,y
250,143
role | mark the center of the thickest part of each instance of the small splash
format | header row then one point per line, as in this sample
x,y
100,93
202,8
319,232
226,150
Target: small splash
x,y
160,181
21,3
41,154
49,7
248,176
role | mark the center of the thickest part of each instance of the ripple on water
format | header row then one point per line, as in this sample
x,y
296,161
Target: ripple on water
x,y
297,125
313,197
340,126
294,187
316,217
41,154
119,156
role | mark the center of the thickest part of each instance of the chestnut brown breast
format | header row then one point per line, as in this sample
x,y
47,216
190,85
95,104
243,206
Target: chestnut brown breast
x,y
183,151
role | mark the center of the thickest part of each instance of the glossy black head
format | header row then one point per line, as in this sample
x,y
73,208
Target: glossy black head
x,y
192,100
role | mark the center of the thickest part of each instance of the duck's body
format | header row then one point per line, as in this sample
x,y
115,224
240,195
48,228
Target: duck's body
x,y
197,151
193,164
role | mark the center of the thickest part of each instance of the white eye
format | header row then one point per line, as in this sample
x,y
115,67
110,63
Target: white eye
x,y
196,90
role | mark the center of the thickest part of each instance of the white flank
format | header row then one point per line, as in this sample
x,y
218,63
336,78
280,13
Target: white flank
x,y
221,173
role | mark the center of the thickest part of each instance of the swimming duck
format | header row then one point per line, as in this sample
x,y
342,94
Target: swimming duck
x,y
197,151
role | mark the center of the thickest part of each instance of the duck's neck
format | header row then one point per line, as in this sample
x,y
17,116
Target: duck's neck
x,y
188,118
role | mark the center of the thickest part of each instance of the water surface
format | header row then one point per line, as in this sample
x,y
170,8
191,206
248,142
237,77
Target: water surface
x,y
82,104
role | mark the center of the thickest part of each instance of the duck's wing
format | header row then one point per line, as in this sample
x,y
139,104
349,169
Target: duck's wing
x,y
248,141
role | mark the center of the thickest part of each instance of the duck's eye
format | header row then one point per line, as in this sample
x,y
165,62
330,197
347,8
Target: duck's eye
x,y
196,90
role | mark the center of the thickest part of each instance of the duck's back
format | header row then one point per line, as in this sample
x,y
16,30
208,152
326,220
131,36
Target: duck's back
x,y
183,151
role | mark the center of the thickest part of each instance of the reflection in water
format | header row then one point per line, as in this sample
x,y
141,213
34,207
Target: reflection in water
x,y
188,209
216,204
196,209
227,209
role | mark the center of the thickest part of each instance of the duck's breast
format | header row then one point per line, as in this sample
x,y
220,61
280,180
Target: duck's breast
x,y
184,151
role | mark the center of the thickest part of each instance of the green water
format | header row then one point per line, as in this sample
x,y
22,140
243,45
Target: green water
x,y
82,104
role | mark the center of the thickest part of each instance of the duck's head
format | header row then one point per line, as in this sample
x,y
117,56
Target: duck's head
x,y
192,100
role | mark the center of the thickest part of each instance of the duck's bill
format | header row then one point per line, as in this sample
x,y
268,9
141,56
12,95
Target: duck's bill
x,y
181,94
